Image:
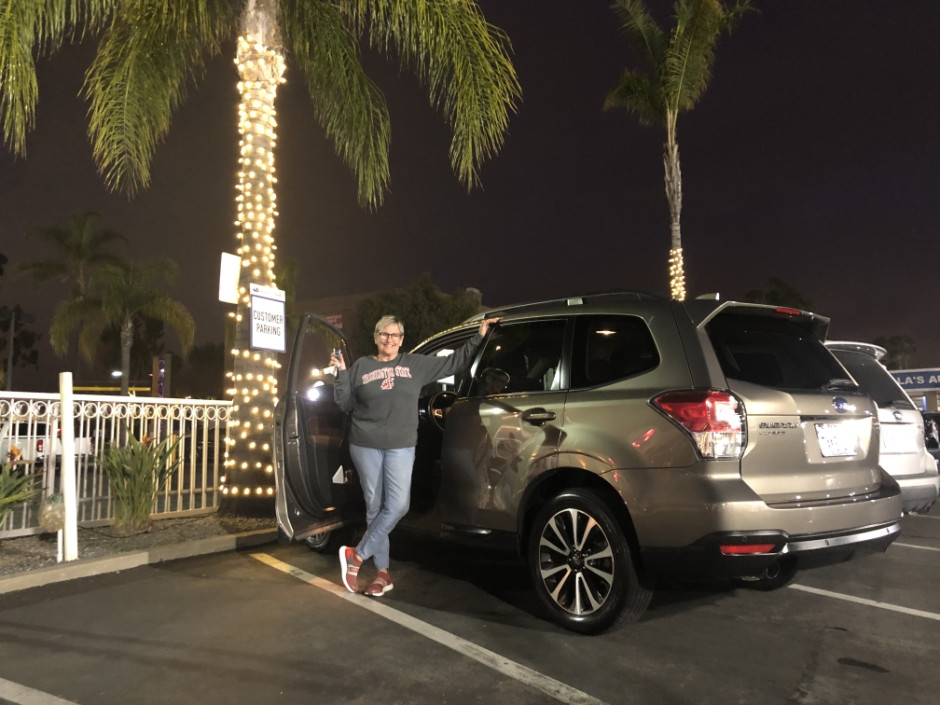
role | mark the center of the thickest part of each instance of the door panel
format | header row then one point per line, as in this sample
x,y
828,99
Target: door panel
x,y
426,476
317,486
506,428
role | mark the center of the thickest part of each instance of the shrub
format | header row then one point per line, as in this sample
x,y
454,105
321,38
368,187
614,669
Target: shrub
x,y
137,472
15,487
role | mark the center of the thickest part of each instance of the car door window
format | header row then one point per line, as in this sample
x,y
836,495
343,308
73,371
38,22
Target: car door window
x,y
521,357
608,348
445,348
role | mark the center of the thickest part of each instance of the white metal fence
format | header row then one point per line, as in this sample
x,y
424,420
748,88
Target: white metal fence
x,y
29,431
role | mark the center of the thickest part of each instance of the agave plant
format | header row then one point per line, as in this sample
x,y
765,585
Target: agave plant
x,y
137,472
15,487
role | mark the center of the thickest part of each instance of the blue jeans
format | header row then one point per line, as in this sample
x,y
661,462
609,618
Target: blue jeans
x,y
385,476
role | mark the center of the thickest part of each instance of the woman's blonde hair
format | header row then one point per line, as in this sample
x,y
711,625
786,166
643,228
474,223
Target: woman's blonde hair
x,y
387,321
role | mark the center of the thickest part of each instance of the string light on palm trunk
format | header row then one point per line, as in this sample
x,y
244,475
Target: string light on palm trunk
x,y
253,381
676,275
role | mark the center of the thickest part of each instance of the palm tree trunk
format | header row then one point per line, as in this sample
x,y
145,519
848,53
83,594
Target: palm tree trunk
x,y
249,462
127,341
674,198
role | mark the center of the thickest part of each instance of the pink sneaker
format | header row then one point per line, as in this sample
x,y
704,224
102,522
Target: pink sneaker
x,y
350,567
381,585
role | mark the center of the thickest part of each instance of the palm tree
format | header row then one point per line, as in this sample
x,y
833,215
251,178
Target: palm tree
x,y
120,296
148,52
677,69
81,246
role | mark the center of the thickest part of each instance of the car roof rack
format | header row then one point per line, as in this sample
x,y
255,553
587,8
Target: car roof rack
x,y
577,300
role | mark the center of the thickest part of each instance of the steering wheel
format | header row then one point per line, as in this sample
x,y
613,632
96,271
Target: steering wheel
x,y
438,405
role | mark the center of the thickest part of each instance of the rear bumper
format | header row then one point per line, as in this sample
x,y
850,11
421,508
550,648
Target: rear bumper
x,y
919,492
712,556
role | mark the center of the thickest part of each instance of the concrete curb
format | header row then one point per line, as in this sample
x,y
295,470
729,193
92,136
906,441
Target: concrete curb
x,y
134,559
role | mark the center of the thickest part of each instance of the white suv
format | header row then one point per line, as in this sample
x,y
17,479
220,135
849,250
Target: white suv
x,y
903,453
32,441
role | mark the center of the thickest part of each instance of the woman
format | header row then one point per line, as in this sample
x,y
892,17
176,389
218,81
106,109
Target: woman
x,y
381,393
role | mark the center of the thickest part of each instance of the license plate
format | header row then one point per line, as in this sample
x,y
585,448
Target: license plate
x,y
898,438
836,440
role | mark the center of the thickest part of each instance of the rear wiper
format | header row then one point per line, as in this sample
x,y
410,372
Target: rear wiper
x,y
839,383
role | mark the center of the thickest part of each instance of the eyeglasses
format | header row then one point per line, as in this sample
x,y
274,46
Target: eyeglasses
x,y
390,336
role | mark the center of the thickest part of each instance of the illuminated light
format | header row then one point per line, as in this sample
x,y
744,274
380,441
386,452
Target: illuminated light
x,y
253,392
715,420
738,549
676,274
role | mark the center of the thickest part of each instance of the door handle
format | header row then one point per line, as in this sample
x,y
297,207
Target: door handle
x,y
538,416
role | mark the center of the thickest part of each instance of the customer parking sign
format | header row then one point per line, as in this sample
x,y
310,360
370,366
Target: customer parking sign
x,y
267,319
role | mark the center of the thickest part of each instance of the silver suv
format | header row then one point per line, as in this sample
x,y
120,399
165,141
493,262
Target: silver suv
x,y
613,441
903,452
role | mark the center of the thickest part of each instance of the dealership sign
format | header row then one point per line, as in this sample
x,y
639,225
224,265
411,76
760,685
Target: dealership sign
x,y
912,380
268,325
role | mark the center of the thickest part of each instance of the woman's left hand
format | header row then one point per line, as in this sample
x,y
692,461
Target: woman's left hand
x,y
485,325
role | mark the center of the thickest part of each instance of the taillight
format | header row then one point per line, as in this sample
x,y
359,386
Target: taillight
x,y
714,419
745,549
40,446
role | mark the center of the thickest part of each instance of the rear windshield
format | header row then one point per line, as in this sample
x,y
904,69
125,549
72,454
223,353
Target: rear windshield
x,y
874,379
773,352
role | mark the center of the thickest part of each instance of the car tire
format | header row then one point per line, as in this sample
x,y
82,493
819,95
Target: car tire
x,y
320,543
581,565
330,541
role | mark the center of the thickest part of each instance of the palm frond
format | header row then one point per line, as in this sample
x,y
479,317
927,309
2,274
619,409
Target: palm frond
x,y
21,29
31,28
172,312
138,78
461,59
81,247
43,270
643,35
348,105
86,314
637,94
691,53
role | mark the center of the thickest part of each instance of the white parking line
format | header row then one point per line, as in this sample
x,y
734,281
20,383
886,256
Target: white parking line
x,y
17,694
869,603
539,681
911,545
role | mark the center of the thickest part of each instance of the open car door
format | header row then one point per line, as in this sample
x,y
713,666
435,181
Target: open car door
x,y
318,489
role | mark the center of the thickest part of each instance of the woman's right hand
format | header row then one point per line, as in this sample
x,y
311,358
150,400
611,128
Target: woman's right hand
x,y
336,360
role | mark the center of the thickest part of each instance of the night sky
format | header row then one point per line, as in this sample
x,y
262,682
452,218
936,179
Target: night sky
x,y
813,157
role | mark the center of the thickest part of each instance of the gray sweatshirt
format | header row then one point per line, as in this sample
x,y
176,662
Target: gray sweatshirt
x,y
383,396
